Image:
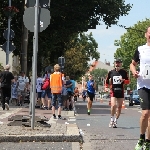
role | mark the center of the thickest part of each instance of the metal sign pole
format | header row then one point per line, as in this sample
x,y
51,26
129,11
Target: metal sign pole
x,y
31,89
34,71
8,37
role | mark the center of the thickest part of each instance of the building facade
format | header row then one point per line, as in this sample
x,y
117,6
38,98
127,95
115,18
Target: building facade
x,y
13,61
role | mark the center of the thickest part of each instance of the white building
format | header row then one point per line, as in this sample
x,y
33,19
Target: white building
x,y
13,61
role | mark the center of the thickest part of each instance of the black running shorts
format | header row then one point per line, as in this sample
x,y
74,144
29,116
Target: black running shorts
x,y
90,95
144,96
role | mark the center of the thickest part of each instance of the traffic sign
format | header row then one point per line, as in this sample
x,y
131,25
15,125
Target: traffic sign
x,y
12,34
29,19
61,61
42,3
11,47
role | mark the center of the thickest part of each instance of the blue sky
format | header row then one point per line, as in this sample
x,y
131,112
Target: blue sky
x,y
106,37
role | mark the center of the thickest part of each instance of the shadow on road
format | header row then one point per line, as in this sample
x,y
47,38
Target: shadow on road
x,y
96,109
129,127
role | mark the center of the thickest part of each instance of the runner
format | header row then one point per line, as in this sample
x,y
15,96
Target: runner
x,y
91,86
118,78
142,56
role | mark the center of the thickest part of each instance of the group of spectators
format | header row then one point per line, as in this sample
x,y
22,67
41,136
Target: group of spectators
x,y
16,87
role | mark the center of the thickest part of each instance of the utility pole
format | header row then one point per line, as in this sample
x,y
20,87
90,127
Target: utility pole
x,y
35,38
8,37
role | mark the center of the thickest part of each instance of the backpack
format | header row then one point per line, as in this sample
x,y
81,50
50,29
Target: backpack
x,y
46,84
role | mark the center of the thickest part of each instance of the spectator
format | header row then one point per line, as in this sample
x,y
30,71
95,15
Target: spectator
x,y
22,87
6,78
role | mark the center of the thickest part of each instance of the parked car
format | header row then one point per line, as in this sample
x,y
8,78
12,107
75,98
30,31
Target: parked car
x,y
127,97
134,100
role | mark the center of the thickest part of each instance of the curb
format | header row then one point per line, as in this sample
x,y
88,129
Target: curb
x,y
41,138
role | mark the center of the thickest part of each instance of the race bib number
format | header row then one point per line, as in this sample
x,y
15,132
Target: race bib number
x,y
116,79
146,72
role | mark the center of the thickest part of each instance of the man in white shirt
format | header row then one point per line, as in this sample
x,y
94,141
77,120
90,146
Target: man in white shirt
x,y
22,87
142,57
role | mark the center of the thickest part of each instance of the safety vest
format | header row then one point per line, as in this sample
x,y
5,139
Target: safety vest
x,y
56,83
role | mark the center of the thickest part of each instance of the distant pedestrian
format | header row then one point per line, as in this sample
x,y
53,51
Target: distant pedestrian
x,y
142,57
90,86
14,95
6,79
22,87
39,83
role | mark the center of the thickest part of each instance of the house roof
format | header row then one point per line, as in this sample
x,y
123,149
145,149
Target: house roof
x,y
100,65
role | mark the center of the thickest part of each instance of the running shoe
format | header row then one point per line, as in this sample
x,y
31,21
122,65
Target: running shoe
x,y
139,145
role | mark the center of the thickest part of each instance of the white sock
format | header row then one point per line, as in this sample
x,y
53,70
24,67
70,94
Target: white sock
x,y
112,118
115,120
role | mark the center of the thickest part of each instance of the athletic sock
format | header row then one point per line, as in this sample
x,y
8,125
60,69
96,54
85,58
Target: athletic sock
x,y
115,120
88,110
112,118
142,136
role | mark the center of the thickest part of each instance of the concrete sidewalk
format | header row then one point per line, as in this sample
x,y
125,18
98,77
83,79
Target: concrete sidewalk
x,y
59,131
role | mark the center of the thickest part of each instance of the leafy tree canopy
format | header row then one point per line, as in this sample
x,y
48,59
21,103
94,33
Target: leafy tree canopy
x,y
134,37
80,49
68,18
99,75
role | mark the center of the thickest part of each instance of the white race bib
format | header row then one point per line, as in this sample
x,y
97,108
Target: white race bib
x,y
117,80
146,72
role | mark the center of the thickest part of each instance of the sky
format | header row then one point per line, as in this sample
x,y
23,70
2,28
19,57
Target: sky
x,y
106,37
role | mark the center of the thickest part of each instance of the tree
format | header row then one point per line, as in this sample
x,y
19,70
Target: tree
x,y
129,42
99,75
79,51
67,19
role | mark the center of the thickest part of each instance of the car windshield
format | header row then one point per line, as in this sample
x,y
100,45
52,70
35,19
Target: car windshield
x,y
135,96
135,92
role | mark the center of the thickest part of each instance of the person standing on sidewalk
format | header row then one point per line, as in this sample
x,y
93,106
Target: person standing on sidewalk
x,y
39,83
6,78
118,78
22,87
56,84
142,57
90,86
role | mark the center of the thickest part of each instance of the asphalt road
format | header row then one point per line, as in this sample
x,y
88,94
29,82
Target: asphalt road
x,y
97,134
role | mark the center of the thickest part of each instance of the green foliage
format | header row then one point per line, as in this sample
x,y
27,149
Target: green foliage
x,y
99,75
79,51
68,19
129,42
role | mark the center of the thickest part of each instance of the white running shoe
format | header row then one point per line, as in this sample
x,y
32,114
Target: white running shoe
x,y
7,106
111,124
115,125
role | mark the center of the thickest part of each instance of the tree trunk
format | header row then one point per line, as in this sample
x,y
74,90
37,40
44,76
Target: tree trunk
x,y
24,49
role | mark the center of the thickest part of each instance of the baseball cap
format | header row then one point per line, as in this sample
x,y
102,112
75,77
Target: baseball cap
x,y
118,60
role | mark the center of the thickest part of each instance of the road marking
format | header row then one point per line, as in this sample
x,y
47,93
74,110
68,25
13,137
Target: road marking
x,y
140,111
71,119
